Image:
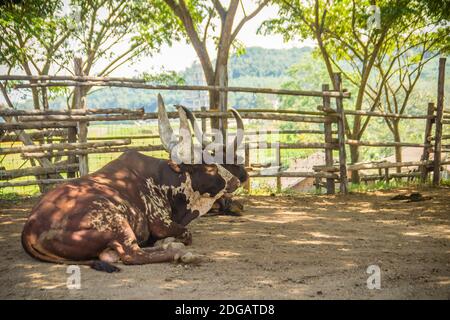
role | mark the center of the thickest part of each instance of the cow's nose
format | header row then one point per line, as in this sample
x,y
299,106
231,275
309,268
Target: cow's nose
x,y
233,184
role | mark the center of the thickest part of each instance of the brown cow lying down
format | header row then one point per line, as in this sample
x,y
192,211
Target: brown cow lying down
x,y
119,211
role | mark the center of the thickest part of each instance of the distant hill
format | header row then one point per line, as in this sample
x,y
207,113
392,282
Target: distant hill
x,y
261,63
257,67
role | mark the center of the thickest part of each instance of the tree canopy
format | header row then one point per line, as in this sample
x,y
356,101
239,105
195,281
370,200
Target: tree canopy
x,y
42,36
354,37
204,21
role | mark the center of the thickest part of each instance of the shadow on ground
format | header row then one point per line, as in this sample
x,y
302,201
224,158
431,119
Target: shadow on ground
x,y
283,247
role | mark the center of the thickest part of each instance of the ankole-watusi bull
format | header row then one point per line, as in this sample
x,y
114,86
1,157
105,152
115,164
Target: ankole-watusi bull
x,y
117,212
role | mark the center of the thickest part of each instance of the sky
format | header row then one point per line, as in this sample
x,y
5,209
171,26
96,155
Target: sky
x,y
181,54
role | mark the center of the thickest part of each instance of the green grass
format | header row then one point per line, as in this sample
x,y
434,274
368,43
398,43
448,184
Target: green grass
x,y
445,182
14,197
259,186
382,185
96,161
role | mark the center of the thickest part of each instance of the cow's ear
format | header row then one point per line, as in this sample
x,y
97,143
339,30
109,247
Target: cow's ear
x,y
174,166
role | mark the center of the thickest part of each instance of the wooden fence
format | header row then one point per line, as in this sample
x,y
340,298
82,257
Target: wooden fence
x,y
70,139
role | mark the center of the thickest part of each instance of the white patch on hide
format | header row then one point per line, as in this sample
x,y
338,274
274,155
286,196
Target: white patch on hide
x,y
196,201
204,202
105,215
157,204
225,174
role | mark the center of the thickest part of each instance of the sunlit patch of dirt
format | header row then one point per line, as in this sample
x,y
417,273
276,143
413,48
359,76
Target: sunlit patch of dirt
x,y
296,247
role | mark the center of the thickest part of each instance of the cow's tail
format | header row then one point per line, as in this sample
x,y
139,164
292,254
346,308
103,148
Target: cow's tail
x,y
35,253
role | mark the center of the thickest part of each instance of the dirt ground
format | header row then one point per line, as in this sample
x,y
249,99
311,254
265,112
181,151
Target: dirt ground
x,y
302,247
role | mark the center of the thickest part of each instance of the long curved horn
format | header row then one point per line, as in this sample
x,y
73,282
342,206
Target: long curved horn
x,y
197,130
168,139
240,128
237,141
185,151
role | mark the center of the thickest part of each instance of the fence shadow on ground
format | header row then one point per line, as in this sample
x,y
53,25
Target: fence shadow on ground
x,y
282,247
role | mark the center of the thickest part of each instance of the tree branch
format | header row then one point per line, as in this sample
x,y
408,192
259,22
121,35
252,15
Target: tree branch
x,y
220,9
181,11
247,18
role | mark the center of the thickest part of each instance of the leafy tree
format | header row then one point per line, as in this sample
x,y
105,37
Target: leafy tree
x,y
348,42
403,72
436,9
202,21
42,36
33,37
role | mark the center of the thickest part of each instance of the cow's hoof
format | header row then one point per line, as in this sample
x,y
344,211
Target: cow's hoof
x,y
188,258
185,238
104,266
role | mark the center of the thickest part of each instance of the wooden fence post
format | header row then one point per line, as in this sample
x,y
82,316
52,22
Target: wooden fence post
x,y
328,139
247,164
386,175
80,103
278,161
341,136
317,185
438,128
72,134
203,122
427,140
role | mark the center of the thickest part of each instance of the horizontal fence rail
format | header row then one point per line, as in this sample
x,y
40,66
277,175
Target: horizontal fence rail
x,y
140,84
381,165
77,145
62,146
34,182
32,171
67,78
385,144
51,119
15,112
36,125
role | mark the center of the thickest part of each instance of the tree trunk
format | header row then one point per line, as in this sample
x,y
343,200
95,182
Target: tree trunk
x,y
214,105
218,100
397,138
354,156
222,81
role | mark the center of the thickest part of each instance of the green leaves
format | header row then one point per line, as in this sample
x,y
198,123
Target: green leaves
x,y
369,45
43,36
29,30
163,78
38,33
346,37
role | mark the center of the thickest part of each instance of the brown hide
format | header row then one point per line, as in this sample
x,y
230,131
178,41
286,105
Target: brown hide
x,y
132,201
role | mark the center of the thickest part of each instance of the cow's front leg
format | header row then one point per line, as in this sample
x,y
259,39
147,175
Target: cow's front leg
x,y
129,251
161,230
162,226
111,256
